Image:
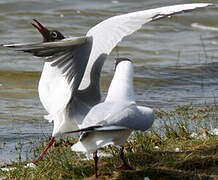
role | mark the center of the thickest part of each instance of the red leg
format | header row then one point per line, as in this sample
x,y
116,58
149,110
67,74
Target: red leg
x,y
125,165
96,164
45,150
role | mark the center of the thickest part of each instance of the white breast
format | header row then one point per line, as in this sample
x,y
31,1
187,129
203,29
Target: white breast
x,y
54,90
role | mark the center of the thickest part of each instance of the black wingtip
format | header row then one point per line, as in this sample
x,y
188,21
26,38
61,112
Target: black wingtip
x,y
91,128
7,46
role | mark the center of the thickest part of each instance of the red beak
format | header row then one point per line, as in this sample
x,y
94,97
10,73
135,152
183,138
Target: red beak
x,y
44,32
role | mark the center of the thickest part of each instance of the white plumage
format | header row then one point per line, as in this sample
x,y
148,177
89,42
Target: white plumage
x,y
55,90
117,116
105,36
111,122
70,82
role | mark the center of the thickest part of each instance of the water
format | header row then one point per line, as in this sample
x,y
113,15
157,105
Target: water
x,y
175,59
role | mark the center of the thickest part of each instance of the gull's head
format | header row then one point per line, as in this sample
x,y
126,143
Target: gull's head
x,y
48,35
121,59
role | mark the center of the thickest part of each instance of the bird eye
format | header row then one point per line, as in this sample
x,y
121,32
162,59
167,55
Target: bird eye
x,y
54,35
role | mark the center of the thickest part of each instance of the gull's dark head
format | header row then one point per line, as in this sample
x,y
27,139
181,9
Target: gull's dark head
x,y
118,60
48,35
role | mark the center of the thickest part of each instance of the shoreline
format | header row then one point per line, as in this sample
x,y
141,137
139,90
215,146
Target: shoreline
x,y
166,151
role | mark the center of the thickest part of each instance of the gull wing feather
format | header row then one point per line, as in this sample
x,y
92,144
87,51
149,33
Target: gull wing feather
x,y
117,116
111,31
69,55
130,116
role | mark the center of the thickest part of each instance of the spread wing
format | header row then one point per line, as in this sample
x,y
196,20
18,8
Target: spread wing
x,y
69,55
108,33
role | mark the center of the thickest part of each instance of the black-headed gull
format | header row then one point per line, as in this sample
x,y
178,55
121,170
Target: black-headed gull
x,y
112,121
70,82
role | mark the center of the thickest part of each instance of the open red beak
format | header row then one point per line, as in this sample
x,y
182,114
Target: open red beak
x,y
45,32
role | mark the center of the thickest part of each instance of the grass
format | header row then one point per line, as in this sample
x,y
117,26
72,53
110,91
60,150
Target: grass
x,y
169,151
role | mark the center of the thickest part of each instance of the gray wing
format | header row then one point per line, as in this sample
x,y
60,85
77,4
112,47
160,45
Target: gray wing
x,y
110,116
131,117
70,55
101,113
